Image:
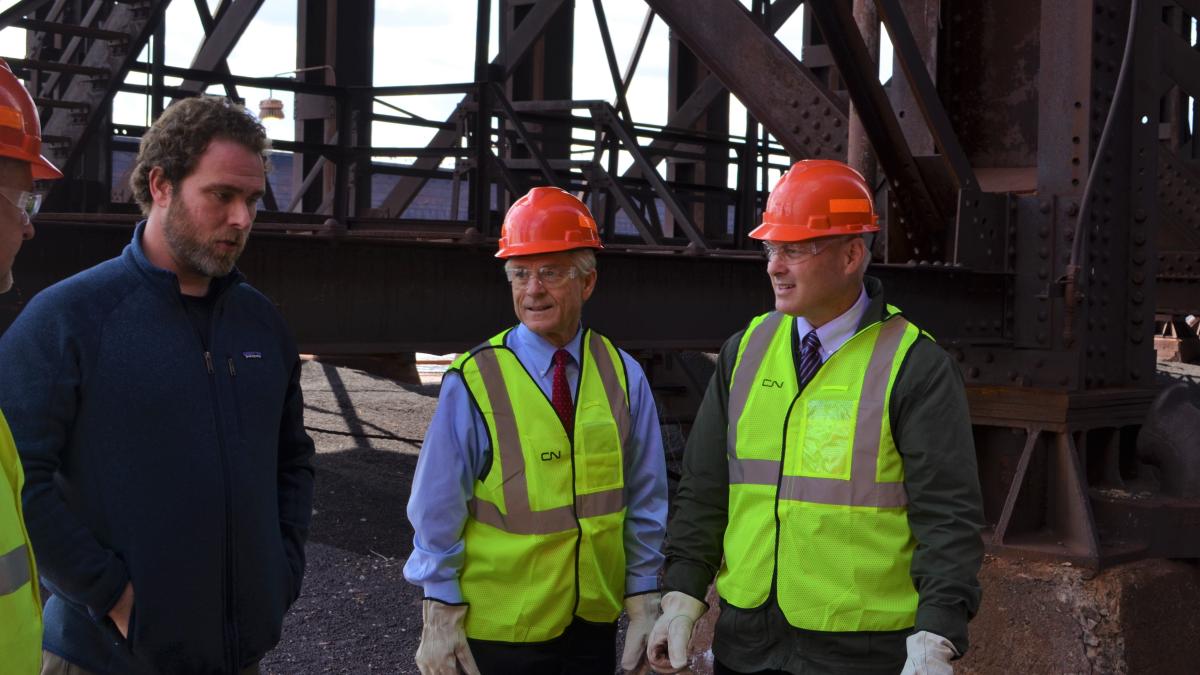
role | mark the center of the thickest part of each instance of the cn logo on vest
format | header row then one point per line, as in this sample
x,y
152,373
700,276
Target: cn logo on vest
x,y
550,455
771,384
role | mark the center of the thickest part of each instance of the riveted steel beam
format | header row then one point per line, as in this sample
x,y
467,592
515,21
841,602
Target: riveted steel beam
x,y
221,40
806,118
514,48
918,230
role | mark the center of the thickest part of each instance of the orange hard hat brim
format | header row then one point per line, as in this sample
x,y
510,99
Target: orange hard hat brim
x,y
789,232
44,170
40,167
541,247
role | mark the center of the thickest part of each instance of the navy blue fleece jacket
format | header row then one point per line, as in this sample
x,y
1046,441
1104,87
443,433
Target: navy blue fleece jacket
x,y
149,460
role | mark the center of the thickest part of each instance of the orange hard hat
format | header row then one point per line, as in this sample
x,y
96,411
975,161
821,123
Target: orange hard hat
x,y
817,198
547,220
20,131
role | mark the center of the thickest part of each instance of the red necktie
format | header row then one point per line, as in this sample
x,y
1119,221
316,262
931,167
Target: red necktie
x,y
561,392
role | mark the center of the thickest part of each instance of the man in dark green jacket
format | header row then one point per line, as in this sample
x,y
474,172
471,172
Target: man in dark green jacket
x,y
830,479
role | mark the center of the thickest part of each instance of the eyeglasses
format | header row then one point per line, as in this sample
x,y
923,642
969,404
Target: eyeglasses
x,y
29,202
551,277
794,252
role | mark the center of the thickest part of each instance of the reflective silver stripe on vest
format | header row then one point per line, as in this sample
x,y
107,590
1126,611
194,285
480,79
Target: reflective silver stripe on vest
x,y
520,519
753,471
747,370
512,460
559,519
861,489
600,503
612,385
14,570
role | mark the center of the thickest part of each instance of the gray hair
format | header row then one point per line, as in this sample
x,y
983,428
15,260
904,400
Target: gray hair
x,y
584,260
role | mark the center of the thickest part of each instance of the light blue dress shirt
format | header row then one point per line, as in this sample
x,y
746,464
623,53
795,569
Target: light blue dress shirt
x,y
837,332
455,451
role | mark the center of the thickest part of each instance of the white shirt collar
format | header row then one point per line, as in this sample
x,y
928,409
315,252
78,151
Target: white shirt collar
x,y
835,333
539,351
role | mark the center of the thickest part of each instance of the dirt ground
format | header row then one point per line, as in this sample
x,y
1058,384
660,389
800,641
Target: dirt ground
x,y
356,613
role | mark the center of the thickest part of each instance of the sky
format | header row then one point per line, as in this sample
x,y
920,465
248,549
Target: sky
x,y
423,42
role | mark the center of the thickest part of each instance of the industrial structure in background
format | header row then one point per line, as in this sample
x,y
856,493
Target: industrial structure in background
x,y
1036,164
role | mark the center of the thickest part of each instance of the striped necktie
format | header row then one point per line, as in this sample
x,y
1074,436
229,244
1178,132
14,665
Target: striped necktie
x,y
810,356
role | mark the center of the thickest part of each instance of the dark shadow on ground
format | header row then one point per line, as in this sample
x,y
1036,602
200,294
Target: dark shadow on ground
x,y
359,501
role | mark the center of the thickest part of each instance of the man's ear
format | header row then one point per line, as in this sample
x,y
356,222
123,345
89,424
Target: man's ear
x,y
855,253
161,189
589,284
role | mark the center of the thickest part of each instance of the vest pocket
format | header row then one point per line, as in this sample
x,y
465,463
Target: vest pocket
x,y
826,437
597,452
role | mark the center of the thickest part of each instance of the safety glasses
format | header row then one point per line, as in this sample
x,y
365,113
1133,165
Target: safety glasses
x,y
29,202
794,252
549,276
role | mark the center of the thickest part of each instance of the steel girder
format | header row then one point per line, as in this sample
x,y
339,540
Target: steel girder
x,y
515,48
781,93
137,20
20,9
221,36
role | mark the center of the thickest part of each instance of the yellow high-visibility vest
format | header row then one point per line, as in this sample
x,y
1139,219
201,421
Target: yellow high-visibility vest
x,y
544,541
20,602
816,484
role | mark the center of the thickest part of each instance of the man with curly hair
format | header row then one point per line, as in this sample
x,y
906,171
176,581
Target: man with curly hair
x,y
155,400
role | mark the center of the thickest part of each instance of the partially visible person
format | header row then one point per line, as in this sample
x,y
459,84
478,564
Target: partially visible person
x,y
21,163
155,400
540,498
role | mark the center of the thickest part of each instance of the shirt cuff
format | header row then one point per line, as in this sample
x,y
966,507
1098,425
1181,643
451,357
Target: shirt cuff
x,y
105,593
639,585
687,577
448,592
948,622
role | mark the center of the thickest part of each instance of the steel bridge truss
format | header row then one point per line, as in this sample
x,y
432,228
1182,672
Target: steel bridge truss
x,y
1038,176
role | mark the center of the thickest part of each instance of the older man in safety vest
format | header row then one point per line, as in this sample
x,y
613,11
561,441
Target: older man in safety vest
x,y
539,499
829,481
21,163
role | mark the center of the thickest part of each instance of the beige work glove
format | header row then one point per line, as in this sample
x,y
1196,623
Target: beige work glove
x,y
642,611
928,654
668,648
443,649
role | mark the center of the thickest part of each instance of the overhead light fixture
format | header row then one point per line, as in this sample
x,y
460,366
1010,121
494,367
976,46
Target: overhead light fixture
x,y
271,108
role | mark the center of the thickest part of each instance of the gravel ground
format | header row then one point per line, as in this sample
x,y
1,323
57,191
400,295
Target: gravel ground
x,y
356,613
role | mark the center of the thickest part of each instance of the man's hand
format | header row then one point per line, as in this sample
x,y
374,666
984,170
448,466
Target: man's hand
x,y
668,648
928,654
443,649
642,610
120,611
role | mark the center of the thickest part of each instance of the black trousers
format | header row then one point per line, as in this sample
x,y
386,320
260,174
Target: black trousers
x,y
584,649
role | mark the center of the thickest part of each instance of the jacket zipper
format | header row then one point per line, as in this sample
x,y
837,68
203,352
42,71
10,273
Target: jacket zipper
x,y
229,630
571,442
783,444
574,488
